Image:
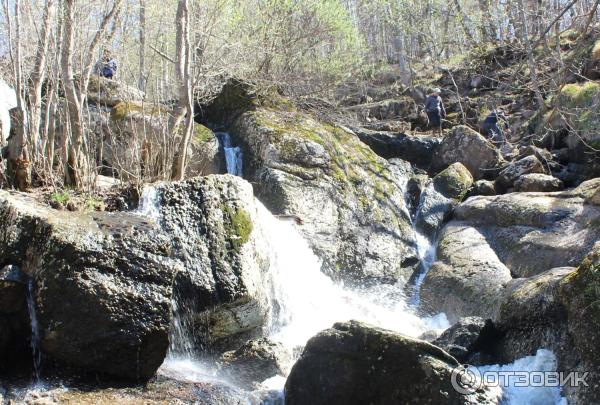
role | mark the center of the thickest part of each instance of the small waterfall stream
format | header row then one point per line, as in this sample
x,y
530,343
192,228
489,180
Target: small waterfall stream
x,y
35,330
233,154
426,251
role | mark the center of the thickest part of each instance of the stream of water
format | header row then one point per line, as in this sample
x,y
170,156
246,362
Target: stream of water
x,y
305,301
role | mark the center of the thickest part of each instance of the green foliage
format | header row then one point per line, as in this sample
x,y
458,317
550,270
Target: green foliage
x,y
61,197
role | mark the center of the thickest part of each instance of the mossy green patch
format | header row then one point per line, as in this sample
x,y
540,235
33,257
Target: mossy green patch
x,y
60,196
202,134
125,109
238,226
579,95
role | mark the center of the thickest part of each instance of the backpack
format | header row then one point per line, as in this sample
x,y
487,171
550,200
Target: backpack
x,y
107,71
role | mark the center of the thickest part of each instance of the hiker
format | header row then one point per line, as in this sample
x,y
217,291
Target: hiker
x,y
495,126
434,107
106,66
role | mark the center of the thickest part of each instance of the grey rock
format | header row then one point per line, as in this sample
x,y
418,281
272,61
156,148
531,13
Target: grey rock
x,y
468,279
353,363
350,200
471,340
515,170
483,187
471,149
444,193
254,362
416,149
537,182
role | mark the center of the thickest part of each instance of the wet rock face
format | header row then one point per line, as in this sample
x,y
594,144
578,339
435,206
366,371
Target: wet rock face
x,y
254,362
471,340
350,200
104,281
446,191
103,285
471,149
15,330
353,363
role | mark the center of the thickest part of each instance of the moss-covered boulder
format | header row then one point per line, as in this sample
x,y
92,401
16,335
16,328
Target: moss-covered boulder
x,y
350,200
444,193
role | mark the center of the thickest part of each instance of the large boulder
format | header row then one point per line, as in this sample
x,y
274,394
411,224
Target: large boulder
x,y
442,195
353,363
471,149
104,282
558,310
215,232
403,108
468,279
416,149
108,93
527,230
350,200
537,182
511,173
493,239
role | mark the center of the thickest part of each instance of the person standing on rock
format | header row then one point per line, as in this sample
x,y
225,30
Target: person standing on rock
x,y
106,66
495,126
434,107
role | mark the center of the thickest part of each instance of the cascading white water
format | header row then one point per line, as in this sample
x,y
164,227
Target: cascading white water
x,y
149,205
35,330
306,301
426,251
233,154
543,361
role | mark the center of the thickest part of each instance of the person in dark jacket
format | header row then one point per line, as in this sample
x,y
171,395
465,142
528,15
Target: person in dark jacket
x,y
434,107
496,126
106,66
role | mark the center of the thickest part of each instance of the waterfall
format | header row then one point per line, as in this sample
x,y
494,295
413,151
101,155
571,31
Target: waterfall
x,y
149,205
306,301
426,251
233,154
35,331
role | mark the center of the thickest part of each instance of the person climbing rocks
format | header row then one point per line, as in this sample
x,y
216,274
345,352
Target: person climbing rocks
x,y
106,66
434,107
496,126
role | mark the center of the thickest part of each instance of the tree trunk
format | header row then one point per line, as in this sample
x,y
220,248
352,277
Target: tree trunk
x,y
530,58
142,49
73,175
185,107
18,162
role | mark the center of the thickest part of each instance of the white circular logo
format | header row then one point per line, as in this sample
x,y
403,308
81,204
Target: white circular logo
x,y
466,380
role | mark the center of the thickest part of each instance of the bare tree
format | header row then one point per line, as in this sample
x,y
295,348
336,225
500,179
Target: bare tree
x,y
184,111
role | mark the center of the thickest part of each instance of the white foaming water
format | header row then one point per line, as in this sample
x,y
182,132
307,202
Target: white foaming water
x,y
149,205
426,251
543,361
306,301
233,154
